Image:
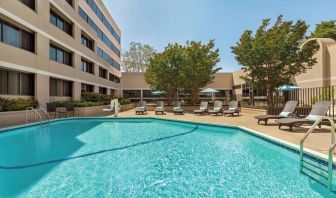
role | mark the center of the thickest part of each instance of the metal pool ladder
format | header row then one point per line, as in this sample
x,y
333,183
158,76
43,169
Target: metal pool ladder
x,y
310,167
36,113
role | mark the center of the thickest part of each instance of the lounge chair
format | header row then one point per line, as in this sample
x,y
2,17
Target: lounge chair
x,y
287,111
203,108
233,108
141,108
160,107
319,109
177,108
110,107
217,108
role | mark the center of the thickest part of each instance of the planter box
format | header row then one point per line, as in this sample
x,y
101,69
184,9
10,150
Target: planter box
x,y
11,118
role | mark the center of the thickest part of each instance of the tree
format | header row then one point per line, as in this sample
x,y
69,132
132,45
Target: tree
x,y
200,66
325,29
163,72
136,59
179,68
272,56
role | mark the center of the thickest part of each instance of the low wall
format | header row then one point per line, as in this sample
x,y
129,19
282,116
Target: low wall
x,y
11,118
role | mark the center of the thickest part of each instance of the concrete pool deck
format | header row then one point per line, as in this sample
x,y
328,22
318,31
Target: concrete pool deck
x,y
319,140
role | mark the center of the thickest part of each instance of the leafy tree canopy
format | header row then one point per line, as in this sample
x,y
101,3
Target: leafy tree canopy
x,y
136,59
183,68
272,56
325,29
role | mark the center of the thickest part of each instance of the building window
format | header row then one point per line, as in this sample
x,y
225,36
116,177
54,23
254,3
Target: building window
x,y
60,22
112,92
16,83
103,19
114,78
102,73
100,34
87,42
29,3
102,90
86,66
17,37
59,55
132,93
86,88
60,87
69,2
103,55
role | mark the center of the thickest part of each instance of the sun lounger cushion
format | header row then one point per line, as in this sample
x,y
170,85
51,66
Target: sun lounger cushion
x,y
217,108
176,108
202,108
312,117
284,114
141,108
160,108
232,109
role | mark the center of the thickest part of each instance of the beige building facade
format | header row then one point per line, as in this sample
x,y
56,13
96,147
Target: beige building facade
x,y
57,49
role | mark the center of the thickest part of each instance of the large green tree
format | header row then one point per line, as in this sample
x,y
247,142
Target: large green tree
x,y
200,66
325,29
137,57
164,69
177,68
272,56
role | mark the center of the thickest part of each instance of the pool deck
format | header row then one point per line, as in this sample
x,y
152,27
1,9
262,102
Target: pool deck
x,y
318,141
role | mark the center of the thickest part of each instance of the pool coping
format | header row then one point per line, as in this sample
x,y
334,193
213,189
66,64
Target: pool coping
x,y
318,157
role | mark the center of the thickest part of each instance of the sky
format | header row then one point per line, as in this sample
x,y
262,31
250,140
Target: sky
x,y
159,22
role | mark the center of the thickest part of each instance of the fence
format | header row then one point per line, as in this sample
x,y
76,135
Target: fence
x,y
306,98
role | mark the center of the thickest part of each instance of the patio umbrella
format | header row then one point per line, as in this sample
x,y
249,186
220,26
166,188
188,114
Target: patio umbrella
x,y
288,88
210,91
157,93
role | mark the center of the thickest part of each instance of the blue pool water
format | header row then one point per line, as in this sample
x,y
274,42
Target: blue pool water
x,y
146,158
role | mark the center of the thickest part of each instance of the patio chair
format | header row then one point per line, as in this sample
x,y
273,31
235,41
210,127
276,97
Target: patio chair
x,y
233,108
70,108
319,109
51,109
287,111
217,108
160,108
177,108
203,108
141,108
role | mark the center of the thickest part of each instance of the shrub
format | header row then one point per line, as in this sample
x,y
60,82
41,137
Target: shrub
x,y
16,104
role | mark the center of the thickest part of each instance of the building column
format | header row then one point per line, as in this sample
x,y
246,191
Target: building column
x,y
42,89
76,91
96,89
141,94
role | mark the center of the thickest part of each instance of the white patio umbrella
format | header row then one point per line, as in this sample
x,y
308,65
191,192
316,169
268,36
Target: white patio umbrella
x,y
288,88
210,91
157,93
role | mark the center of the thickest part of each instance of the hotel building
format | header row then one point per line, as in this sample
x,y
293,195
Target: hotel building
x,y
56,49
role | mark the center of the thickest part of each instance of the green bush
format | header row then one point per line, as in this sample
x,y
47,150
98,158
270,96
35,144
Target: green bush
x,y
16,104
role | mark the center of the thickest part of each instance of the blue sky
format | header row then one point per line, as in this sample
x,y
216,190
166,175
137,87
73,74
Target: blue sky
x,y
159,22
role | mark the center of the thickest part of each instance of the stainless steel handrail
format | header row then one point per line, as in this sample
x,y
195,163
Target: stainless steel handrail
x,y
330,151
45,112
35,113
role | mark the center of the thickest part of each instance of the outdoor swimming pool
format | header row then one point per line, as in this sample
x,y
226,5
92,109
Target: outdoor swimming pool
x,y
146,158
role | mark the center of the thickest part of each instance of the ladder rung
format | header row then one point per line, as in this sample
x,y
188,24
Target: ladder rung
x,y
315,172
314,178
315,166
